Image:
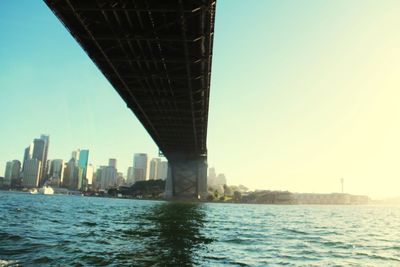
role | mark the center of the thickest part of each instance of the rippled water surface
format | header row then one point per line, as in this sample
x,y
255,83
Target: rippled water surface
x,y
81,231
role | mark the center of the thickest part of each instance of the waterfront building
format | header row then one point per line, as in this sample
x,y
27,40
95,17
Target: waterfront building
x,y
212,176
40,151
154,164
108,177
69,174
139,174
162,170
89,174
27,155
140,166
112,163
130,177
120,179
83,161
56,172
46,139
7,174
32,171
75,154
221,179
12,173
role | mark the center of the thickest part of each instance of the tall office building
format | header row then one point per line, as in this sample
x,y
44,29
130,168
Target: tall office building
x,y
130,177
12,173
162,170
7,173
31,173
106,177
75,155
154,164
89,174
47,169
69,174
83,161
27,155
140,166
212,176
56,173
46,139
120,179
40,151
112,163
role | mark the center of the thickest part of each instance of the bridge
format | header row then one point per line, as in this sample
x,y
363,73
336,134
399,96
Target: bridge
x,y
157,55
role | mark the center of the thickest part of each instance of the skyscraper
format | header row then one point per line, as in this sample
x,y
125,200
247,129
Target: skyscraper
x,y
56,173
140,166
46,140
106,177
154,164
83,161
130,177
31,173
162,170
27,155
40,151
12,173
69,174
89,174
75,154
112,163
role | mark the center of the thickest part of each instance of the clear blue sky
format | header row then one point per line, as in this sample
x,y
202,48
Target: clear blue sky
x,y
303,93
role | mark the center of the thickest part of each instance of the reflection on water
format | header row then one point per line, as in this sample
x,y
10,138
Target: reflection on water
x,y
174,236
40,230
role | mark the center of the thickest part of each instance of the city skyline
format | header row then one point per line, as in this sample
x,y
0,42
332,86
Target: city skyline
x,y
77,172
307,99
81,156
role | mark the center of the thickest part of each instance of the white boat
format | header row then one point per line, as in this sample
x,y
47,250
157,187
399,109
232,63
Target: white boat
x,y
46,190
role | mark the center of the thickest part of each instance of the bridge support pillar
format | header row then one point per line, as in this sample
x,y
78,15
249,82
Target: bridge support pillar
x,y
187,178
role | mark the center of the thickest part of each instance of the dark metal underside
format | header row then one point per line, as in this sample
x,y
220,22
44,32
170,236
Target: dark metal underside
x,y
157,55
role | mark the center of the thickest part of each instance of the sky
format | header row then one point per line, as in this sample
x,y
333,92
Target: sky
x,y
303,93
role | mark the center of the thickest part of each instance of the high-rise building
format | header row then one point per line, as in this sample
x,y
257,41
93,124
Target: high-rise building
x,y
212,176
162,170
120,179
89,174
79,182
75,155
140,166
27,155
112,163
47,169
57,169
130,177
46,139
12,173
40,151
83,161
56,173
70,174
106,177
221,179
7,173
154,164
31,173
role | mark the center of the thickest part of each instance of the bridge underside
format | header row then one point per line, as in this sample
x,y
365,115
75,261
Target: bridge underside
x,y
157,55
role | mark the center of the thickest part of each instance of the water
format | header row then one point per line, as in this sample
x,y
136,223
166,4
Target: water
x,y
39,230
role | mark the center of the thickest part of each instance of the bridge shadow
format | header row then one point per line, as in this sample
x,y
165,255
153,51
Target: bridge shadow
x,y
170,235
